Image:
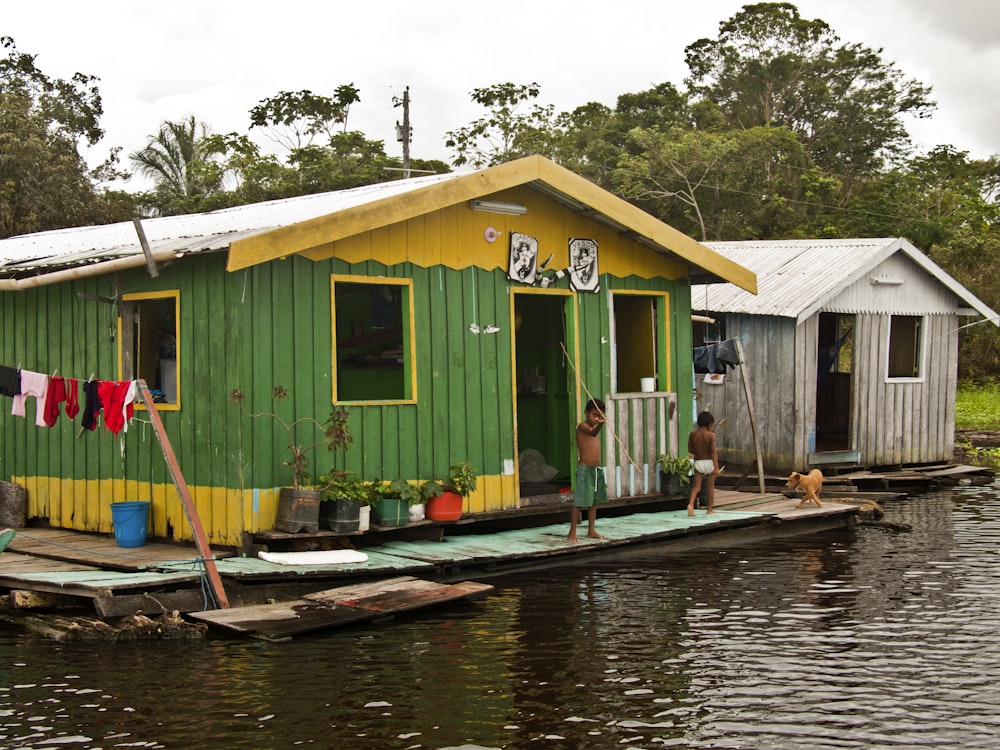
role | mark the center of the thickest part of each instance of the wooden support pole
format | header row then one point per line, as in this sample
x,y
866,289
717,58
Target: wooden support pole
x,y
182,490
146,251
753,418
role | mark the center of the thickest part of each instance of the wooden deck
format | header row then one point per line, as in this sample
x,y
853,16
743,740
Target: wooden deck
x,y
888,481
44,567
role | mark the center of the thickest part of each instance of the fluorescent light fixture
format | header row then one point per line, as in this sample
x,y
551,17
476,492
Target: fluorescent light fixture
x,y
499,207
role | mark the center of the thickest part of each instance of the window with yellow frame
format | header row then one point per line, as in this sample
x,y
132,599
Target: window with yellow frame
x,y
373,339
148,343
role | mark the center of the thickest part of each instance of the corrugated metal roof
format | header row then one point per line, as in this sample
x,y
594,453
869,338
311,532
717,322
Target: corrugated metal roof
x,y
795,278
190,233
261,232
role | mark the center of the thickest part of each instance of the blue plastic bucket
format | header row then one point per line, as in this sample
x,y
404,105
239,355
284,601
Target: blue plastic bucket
x,y
130,521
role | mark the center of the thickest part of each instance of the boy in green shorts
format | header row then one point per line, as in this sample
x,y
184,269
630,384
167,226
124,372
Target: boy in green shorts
x,y
591,484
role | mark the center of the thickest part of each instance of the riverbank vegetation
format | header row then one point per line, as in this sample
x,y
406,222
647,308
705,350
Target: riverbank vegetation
x,y
977,421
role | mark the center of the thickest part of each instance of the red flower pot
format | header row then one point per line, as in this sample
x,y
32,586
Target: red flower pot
x,y
445,507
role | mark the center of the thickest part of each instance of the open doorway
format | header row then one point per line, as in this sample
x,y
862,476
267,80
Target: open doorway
x,y
834,382
545,413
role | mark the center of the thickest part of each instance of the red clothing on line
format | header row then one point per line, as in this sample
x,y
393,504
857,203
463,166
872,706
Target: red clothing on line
x,y
112,394
54,396
72,398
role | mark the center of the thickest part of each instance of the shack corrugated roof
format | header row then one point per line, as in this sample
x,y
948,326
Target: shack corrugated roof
x,y
796,278
190,233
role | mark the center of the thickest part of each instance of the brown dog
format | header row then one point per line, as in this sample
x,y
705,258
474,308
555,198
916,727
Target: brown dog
x,y
812,483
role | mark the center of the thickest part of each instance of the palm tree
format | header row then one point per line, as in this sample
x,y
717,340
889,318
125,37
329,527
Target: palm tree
x,y
175,159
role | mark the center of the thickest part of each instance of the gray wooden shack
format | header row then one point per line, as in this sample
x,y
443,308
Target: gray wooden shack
x,y
850,354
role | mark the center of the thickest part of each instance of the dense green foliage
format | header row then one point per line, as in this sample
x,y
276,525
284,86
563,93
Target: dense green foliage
x,y
783,131
44,182
977,407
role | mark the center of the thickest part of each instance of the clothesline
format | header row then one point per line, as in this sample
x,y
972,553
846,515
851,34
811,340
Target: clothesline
x,y
108,400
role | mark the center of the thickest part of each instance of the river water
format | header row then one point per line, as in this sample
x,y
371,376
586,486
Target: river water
x,y
863,638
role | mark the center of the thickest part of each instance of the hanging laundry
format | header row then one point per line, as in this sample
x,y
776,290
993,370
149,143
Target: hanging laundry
x,y
705,360
726,353
10,381
54,396
128,408
32,384
91,405
72,398
716,358
114,398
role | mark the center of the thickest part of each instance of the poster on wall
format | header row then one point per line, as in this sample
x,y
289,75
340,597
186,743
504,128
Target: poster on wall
x,y
583,275
523,258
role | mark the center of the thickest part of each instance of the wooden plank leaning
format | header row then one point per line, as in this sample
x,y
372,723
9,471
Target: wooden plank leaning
x,y
214,580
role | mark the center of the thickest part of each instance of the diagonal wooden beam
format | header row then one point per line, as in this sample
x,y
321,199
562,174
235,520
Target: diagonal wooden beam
x,y
215,581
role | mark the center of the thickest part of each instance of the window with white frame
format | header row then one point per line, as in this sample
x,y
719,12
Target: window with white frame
x,y
905,347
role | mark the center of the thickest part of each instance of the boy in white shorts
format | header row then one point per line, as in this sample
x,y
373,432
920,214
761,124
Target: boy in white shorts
x,y
701,445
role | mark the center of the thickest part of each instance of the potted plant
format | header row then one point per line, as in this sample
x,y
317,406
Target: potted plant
x,y
392,504
340,501
461,483
676,472
298,505
427,491
375,491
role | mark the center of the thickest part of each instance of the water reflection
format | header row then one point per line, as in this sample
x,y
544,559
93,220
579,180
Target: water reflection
x,y
853,639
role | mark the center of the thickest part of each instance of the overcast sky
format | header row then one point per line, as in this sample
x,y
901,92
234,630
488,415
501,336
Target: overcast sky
x,y
216,60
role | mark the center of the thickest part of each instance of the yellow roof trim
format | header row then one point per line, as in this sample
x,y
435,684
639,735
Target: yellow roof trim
x,y
301,237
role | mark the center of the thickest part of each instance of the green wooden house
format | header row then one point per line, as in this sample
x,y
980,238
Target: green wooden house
x,y
457,317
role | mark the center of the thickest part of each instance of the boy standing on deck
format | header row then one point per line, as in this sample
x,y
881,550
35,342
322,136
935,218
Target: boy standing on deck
x,y
701,445
591,485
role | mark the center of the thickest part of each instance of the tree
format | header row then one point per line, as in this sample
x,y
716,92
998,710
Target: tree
x,y
769,67
295,118
741,184
504,134
44,181
592,139
178,159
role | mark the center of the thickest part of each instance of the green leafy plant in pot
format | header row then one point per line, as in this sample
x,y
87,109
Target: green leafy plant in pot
x,y
676,471
298,505
461,482
341,498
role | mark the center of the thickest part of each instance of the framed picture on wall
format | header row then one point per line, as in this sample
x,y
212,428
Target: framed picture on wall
x,y
523,258
583,274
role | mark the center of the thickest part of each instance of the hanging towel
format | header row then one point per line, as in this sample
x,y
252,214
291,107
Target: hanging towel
x,y
32,384
10,381
54,396
113,395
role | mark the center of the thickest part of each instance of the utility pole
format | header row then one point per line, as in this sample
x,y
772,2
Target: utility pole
x,y
403,131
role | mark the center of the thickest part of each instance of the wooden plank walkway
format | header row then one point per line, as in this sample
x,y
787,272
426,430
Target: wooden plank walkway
x,y
347,605
92,567
473,554
102,551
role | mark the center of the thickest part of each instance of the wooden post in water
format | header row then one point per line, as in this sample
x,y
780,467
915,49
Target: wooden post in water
x,y
182,490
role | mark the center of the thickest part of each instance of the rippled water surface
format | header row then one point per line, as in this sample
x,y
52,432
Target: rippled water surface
x,y
869,638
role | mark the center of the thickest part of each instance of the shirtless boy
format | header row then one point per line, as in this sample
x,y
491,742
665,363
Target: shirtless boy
x,y
701,445
591,485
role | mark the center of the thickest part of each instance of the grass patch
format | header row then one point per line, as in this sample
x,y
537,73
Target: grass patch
x,y
977,407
